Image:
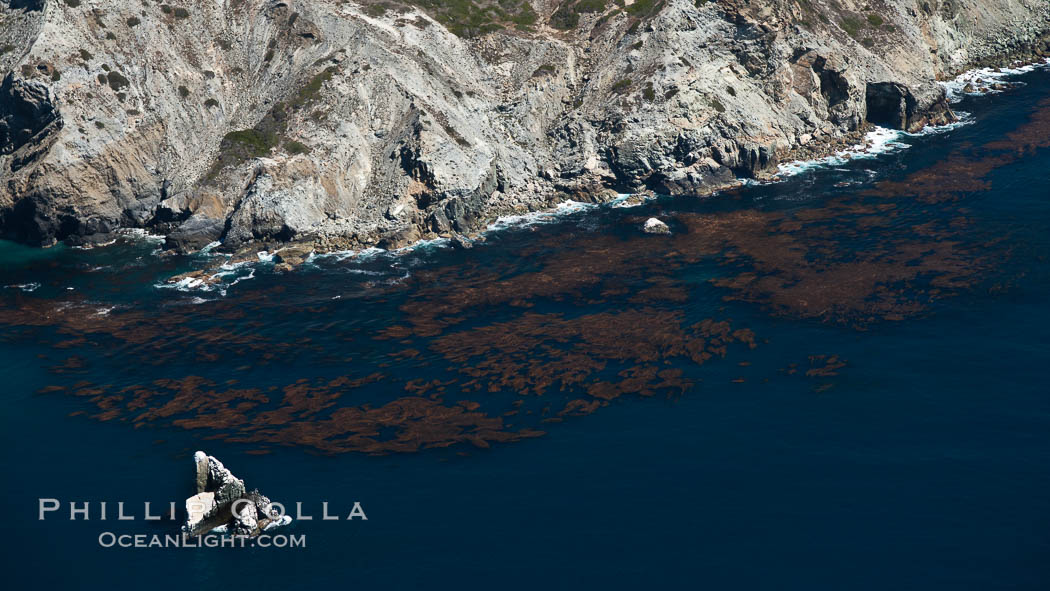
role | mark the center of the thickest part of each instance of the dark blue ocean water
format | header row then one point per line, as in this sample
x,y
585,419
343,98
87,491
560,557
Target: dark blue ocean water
x,y
873,414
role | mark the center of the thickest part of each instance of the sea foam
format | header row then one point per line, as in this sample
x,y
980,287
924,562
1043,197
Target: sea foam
x,y
983,78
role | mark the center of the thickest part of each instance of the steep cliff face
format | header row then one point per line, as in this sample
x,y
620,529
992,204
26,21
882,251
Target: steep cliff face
x,y
341,124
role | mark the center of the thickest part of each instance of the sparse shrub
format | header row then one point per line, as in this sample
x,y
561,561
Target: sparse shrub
x,y
565,18
116,80
182,13
101,78
590,6
670,93
648,92
543,70
636,45
608,17
875,20
110,36
184,92
6,49
293,147
312,88
238,146
72,3
85,55
268,56
166,9
524,19
851,25
868,42
105,67
252,142
211,103
621,85
718,106
133,21
56,75
731,90
208,74
644,8
100,125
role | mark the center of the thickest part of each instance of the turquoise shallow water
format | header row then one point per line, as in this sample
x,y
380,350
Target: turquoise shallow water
x,y
837,381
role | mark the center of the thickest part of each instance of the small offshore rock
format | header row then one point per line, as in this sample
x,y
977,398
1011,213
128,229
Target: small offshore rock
x,y
655,226
222,504
194,279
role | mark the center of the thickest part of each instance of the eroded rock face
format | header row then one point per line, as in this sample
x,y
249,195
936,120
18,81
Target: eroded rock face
x,y
256,123
27,114
222,502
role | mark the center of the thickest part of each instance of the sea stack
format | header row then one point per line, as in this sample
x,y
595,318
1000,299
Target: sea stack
x,y
222,503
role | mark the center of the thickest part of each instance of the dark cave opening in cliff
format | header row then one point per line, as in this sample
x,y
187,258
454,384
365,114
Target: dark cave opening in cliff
x,y
889,104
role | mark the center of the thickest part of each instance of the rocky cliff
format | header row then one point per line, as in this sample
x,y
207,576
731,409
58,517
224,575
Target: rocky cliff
x,y
342,124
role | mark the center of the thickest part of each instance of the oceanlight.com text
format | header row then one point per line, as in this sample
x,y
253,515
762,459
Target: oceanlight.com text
x,y
113,540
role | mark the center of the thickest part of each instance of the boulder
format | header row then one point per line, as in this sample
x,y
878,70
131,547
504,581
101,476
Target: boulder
x,y
461,242
655,226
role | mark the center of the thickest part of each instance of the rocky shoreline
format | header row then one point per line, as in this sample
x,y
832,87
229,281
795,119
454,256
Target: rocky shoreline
x,y
318,127
290,255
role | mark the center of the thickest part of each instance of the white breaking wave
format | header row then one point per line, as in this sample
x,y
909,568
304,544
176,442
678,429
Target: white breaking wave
x,y
94,246
341,255
187,284
879,141
963,117
537,217
140,234
26,287
210,247
983,78
622,200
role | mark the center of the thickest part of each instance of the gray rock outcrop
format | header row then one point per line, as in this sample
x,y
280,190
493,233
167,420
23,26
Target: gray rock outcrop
x,y
344,124
223,503
655,226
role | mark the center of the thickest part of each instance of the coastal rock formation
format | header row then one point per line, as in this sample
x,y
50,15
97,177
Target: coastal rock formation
x,y
655,226
223,503
337,124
